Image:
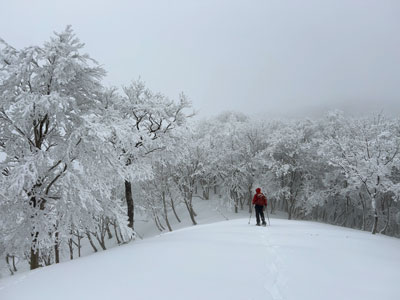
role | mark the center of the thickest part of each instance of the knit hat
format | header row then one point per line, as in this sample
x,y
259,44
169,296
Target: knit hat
x,y
258,190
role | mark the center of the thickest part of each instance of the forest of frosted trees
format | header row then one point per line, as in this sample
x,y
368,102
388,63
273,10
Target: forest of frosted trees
x,y
78,160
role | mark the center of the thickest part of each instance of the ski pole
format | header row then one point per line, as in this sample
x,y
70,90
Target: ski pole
x,y
251,212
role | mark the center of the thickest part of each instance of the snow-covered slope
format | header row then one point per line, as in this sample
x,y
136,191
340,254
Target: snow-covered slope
x,y
227,260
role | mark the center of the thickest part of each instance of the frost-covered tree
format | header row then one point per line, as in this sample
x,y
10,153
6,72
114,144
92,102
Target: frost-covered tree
x,y
188,168
56,167
234,170
289,163
152,117
367,151
160,195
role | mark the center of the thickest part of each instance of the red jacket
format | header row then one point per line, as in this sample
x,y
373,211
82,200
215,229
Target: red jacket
x,y
260,199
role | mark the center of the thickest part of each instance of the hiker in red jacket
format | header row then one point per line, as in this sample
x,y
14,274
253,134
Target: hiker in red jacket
x,y
260,202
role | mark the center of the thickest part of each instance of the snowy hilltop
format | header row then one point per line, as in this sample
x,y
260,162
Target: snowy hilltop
x,y
227,260
87,168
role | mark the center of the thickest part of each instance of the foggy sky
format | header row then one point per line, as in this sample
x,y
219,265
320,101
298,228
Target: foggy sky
x,y
286,58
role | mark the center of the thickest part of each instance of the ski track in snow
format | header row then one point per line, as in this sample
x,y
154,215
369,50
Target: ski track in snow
x,y
275,281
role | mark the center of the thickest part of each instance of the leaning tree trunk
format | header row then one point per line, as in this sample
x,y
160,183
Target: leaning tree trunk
x,y
129,203
12,266
166,212
190,210
114,224
190,198
157,221
173,209
109,234
91,241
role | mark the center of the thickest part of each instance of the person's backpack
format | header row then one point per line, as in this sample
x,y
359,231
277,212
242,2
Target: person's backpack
x,y
261,199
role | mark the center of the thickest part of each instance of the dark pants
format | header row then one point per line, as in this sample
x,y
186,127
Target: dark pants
x,y
260,212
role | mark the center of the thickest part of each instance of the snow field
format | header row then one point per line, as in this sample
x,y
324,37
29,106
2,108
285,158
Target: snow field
x,y
227,260
209,211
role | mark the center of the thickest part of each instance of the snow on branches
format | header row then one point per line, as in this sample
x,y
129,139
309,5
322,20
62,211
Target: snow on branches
x,y
68,143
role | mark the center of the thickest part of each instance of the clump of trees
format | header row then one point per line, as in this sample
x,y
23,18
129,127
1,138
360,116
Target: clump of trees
x,y
337,169
69,147
78,159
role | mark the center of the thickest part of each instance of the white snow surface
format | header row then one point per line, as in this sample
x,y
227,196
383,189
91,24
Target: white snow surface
x,y
227,260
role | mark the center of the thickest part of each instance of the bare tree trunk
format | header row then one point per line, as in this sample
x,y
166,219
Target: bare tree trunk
x,y
34,259
46,258
323,214
190,199
71,248
173,209
375,226
79,244
250,198
165,211
91,241
235,201
285,203
384,229
363,211
109,234
100,236
157,225
191,211
346,212
101,241
57,248
206,192
116,232
13,264
129,203
292,201
9,265
241,202
157,221
272,203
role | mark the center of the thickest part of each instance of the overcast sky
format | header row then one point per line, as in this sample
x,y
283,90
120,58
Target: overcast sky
x,y
290,58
